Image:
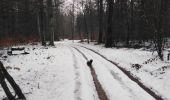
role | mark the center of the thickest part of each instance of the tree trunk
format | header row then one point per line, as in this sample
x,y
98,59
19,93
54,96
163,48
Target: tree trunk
x,y
162,6
109,37
50,21
91,20
130,23
86,28
73,21
38,25
42,19
79,29
100,38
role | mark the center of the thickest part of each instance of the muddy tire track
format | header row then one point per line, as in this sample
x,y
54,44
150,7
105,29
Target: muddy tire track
x,y
130,76
100,91
118,78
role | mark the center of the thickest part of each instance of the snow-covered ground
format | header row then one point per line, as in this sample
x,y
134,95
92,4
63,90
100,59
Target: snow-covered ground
x,y
61,73
153,72
50,73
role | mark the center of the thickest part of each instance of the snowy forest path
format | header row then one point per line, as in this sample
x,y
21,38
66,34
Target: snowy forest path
x,y
61,72
114,74
99,88
125,72
119,79
78,82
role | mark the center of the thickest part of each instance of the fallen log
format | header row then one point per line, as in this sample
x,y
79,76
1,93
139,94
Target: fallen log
x,y
12,82
17,49
169,56
5,87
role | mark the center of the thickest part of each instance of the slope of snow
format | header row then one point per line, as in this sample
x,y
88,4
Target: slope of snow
x,y
155,74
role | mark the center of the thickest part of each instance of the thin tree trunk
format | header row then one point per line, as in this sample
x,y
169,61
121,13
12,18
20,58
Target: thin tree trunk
x,y
86,28
73,21
130,23
42,22
79,30
100,38
38,26
91,25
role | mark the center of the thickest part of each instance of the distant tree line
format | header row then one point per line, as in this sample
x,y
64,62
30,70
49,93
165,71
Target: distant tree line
x,y
131,22
20,19
17,18
127,23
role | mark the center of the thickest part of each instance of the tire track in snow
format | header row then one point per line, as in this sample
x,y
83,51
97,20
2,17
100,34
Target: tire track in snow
x,y
100,91
134,79
118,78
77,90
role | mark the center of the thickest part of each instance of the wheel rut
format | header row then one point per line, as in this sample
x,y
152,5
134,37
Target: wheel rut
x,y
77,90
130,76
100,91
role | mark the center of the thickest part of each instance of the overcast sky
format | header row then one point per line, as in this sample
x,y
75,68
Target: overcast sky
x,y
69,0
67,5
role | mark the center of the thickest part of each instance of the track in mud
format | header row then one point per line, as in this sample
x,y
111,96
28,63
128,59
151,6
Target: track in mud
x,y
99,89
130,76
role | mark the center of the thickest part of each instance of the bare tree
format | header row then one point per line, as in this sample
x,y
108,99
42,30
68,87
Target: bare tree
x,y
156,18
41,21
100,5
51,20
73,20
109,41
161,7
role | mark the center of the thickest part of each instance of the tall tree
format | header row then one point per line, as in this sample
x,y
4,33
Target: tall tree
x,y
73,20
42,21
156,18
130,22
100,38
51,20
161,7
109,41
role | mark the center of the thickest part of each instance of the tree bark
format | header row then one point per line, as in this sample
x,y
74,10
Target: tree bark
x,y
162,6
109,37
86,28
50,21
130,23
100,38
42,19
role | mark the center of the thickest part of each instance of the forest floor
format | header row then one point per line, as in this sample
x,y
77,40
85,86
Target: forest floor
x,y
61,72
